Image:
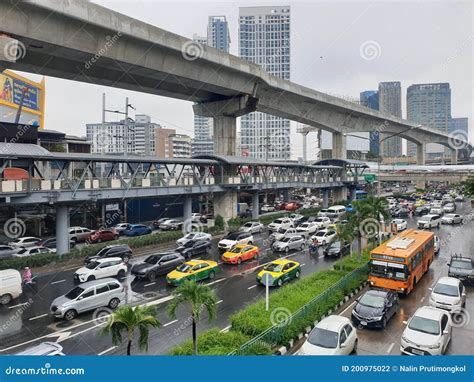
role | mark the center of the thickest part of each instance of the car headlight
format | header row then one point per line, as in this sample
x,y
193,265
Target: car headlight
x,y
377,318
455,302
435,346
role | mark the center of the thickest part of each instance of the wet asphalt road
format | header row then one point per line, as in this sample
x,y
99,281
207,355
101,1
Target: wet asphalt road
x,y
25,325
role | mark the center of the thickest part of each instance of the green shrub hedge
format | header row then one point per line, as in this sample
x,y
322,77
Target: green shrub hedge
x,y
213,342
52,258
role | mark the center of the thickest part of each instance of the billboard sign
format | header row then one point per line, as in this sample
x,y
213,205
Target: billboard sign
x,y
12,90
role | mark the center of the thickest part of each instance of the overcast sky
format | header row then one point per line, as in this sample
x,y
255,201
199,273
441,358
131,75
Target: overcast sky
x,y
415,42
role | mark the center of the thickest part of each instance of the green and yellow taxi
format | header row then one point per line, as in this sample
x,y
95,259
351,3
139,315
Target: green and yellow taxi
x,y
193,270
279,271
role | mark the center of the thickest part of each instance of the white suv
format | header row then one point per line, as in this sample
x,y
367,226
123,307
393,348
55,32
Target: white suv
x,y
234,238
284,223
428,332
429,221
282,233
100,268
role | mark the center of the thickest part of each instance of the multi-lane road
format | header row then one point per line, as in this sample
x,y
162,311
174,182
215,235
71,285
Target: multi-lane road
x,y
27,321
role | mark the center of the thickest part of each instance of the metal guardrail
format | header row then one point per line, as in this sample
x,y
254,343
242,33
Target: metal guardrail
x,y
273,335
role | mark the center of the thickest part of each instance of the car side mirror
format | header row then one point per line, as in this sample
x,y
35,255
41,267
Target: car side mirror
x,y
80,298
430,288
463,294
449,264
405,322
445,331
342,346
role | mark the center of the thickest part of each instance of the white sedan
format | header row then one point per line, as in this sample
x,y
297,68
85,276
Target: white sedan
x,y
334,335
100,268
449,293
267,208
401,224
307,228
322,222
25,242
252,227
451,219
325,236
428,332
31,251
193,236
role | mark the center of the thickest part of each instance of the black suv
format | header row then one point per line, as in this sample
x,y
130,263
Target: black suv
x,y
461,268
157,265
117,250
194,247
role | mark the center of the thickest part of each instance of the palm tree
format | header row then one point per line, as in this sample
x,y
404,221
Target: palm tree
x,y
200,297
129,318
469,186
377,209
345,234
356,218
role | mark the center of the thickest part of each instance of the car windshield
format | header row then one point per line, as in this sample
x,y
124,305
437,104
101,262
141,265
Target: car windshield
x,y
74,293
248,225
190,236
319,220
273,267
424,325
151,260
278,221
371,300
461,264
320,233
232,236
236,250
281,230
447,290
184,268
304,225
21,251
189,244
285,240
92,265
388,270
335,245
323,338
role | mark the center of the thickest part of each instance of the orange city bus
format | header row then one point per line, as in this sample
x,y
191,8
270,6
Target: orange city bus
x,y
399,263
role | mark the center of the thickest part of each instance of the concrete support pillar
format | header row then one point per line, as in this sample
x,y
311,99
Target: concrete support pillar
x,y
305,147
225,205
325,198
420,184
225,135
352,193
339,193
339,147
420,154
187,214
286,195
62,229
454,156
255,206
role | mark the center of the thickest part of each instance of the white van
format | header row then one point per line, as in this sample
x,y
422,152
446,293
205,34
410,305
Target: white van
x,y
44,348
10,285
336,211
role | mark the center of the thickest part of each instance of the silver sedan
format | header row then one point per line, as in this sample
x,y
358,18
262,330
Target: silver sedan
x,y
289,243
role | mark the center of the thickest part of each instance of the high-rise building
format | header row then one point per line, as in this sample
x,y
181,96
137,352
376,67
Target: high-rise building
x,y
370,99
264,38
429,105
459,125
131,137
172,145
390,102
218,35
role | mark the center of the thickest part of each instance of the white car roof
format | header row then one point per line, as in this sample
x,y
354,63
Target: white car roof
x,y
108,259
429,312
333,323
27,237
448,281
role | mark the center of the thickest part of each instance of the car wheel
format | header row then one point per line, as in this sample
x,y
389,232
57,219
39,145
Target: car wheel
x,y
297,274
99,240
384,322
302,247
239,261
5,299
70,315
121,274
250,243
126,259
91,278
354,350
74,239
279,282
212,274
287,249
152,276
114,303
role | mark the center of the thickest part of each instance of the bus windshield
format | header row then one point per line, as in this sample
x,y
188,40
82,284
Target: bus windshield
x,y
389,270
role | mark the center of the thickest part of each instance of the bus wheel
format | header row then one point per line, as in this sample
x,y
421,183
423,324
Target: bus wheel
x,y
414,282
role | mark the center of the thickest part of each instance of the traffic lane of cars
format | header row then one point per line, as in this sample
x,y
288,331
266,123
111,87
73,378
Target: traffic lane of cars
x,y
233,294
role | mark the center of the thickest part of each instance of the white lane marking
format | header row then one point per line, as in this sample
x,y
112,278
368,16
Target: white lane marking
x,y
390,347
160,301
218,302
16,306
321,256
215,282
169,323
35,318
107,350
344,311
253,286
226,329
153,283
57,282
81,332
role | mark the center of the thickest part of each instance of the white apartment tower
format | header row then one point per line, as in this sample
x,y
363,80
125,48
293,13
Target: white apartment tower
x,y
264,38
